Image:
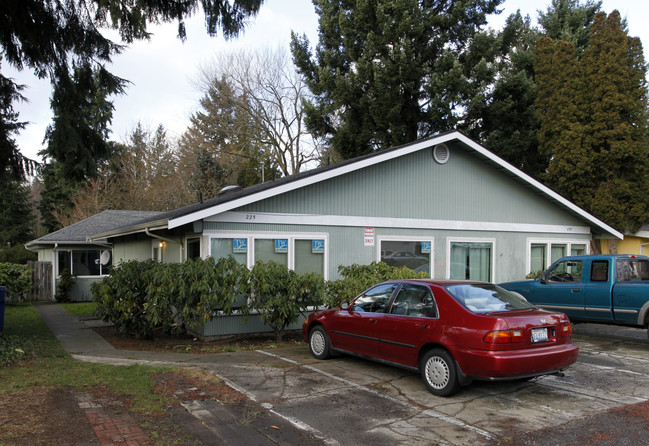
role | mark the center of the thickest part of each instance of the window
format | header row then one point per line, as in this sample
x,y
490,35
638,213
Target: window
x,y
85,262
375,299
301,253
193,248
567,271
484,298
471,260
543,253
599,271
236,247
275,250
414,300
632,269
411,254
309,256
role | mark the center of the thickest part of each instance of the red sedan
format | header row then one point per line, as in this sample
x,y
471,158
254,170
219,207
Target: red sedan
x,y
452,332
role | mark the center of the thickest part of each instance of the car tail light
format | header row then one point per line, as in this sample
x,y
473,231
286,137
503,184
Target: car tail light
x,y
503,336
566,330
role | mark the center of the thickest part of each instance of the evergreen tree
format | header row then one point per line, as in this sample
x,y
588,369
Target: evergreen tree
x,y
386,73
77,138
501,113
593,116
570,21
52,38
560,106
615,73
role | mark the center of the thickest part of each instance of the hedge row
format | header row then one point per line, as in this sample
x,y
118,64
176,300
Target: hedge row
x,y
149,298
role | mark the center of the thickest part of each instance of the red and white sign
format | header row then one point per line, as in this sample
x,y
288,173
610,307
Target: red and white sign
x,y
369,236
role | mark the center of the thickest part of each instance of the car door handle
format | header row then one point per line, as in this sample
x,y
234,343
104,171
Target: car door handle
x,y
576,290
372,321
422,326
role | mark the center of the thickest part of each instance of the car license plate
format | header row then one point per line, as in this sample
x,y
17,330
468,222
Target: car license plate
x,y
540,335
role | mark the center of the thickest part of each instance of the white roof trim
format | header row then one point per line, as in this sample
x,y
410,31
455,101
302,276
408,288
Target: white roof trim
x,y
546,190
380,158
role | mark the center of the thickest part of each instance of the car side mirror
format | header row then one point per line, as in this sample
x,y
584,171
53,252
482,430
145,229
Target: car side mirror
x,y
344,305
544,277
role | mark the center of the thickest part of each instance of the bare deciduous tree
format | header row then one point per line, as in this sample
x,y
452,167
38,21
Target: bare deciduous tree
x,y
269,94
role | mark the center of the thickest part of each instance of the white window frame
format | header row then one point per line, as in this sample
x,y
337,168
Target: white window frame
x,y
450,240
404,238
291,236
548,242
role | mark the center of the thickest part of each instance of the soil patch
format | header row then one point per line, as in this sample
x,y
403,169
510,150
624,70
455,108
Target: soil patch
x,y
191,344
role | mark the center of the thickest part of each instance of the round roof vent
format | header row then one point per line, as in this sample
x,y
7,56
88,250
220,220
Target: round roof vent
x,y
441,153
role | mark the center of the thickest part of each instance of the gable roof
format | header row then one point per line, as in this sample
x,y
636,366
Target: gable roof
x,y
236,199
105,221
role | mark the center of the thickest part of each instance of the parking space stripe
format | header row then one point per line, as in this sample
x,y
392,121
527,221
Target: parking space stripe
x,y
428,412
297,423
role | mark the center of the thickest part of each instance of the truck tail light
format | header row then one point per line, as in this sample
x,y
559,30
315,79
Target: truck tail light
x,y
503,337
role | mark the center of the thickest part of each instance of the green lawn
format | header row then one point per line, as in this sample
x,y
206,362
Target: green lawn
x,y
45,363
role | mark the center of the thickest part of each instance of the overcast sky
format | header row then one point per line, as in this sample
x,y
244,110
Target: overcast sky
x,y
162,70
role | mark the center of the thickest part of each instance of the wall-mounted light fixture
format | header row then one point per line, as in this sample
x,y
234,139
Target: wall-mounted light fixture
x,y
162,244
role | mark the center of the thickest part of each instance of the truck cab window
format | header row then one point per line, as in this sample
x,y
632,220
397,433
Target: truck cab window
x,y
567,271
632,270
599,271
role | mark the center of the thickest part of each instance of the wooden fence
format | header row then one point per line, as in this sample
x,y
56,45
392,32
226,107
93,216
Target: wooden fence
x,y
41,280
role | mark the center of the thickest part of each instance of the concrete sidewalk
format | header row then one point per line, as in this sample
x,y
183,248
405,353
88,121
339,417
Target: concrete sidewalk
x,y
217,422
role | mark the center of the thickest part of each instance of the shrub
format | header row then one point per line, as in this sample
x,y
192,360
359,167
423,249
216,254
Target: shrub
x,y
149,298
534,274
121,297
189,294
64,285
357,278
281,295
17,279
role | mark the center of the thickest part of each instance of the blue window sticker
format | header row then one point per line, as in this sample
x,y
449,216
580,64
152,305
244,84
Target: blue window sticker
x,y
281,245
317,246
425,247
240,245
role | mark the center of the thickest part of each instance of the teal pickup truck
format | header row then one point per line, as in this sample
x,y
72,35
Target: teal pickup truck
x,y
594,288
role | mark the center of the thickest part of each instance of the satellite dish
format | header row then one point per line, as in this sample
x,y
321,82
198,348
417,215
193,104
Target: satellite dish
x,y
104,259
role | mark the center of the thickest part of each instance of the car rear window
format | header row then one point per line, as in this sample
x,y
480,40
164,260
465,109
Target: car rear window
x,y
485,298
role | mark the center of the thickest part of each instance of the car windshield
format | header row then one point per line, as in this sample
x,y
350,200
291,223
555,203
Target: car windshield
x,y
486,297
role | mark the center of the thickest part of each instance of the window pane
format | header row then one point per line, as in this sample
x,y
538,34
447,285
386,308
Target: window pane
x,y
578,250
223,247
538,260
471,260
413,255
375,299
85,263
557,251
193,248
105,261
414,300
271,250
599,271
65,261
309,256
566,271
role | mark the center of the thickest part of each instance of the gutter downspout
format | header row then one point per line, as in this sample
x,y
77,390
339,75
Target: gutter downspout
x,y
641,245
